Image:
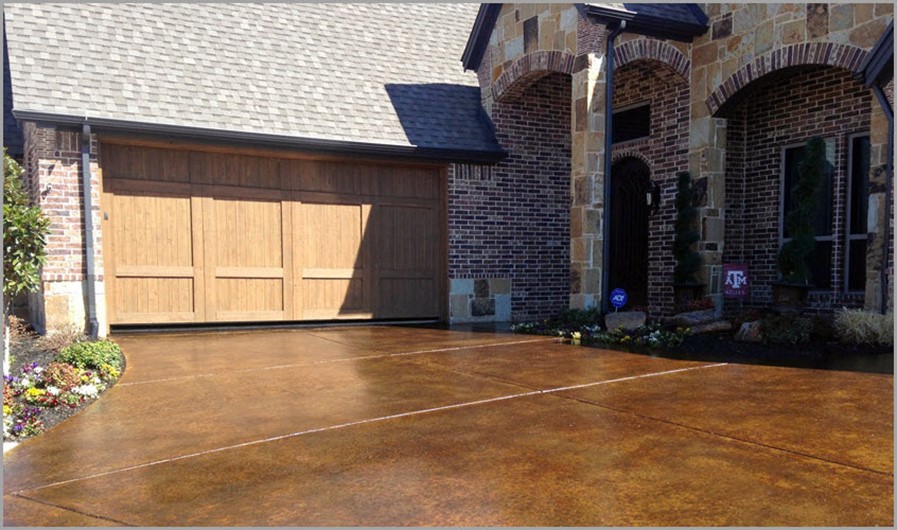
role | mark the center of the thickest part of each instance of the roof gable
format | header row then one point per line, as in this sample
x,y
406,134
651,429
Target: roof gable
x,y
673,21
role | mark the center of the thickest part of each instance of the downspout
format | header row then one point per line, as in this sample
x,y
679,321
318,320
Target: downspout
x,y
889,113
87,214
608,161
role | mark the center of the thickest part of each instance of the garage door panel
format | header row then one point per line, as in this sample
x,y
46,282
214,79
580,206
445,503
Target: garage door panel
x,y
154,231
142,163
332,262
407,298
247,277
154,269
325,299
243,171
154,299
408,182
248,233
319,225
406,238
337,178
249,295
250,238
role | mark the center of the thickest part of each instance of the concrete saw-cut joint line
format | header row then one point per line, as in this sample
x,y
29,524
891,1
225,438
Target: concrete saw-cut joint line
x,y
364,422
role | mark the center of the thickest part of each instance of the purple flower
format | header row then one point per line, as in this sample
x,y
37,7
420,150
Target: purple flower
x,y
18,427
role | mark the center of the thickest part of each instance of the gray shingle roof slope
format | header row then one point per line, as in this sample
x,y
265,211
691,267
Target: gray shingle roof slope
x,y
374,73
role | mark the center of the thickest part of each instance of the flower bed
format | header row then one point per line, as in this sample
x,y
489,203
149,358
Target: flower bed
x,y
40,393
584,327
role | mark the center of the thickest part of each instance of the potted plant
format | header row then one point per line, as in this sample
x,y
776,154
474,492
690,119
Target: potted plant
x,y
686,287
790,292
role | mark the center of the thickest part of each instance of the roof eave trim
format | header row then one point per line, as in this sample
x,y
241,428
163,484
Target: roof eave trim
x,y
480,35
310,145
878,57
648,25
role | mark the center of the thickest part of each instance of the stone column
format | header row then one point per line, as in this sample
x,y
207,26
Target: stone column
x,y
877,216
587,181
707,164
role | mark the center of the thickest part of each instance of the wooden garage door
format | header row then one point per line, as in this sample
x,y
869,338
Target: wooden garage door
x,y
209,237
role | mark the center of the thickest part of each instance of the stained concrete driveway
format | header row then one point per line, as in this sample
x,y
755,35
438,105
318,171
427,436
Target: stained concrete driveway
x,y
385,426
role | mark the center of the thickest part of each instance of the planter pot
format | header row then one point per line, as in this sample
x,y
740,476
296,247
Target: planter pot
x,y
685,293
789,297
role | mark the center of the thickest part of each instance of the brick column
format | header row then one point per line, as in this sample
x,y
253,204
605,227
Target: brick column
x,y
587,181
53,172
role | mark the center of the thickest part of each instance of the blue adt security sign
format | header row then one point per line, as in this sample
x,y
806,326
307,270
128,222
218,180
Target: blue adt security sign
x,y
618,298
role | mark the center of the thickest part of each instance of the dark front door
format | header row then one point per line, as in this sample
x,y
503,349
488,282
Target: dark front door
x,y
630,185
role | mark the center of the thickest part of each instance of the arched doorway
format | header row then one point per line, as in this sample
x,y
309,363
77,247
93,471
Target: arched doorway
x,y
629,209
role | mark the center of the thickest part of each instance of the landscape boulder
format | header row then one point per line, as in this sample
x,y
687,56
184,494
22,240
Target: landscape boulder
x,y
749,332
628,320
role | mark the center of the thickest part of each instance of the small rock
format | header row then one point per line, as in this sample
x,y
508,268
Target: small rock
x,y
749,332
692,318
628,320
711,327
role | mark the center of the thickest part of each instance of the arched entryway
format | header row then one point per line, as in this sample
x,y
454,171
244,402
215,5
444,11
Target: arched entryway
x,y
630,189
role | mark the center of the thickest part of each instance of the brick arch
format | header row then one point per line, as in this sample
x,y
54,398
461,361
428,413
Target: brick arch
x,y
529,69
650,49
630,152
816,53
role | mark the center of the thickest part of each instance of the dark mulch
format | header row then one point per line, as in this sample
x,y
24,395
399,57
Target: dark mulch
x,y
26,350
816,354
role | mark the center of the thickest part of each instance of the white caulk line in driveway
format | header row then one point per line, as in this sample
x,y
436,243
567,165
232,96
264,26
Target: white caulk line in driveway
x,y
331,361
363,422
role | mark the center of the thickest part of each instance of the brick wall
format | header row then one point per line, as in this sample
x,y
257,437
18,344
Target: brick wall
x,y
54,178
513,220
666,152
787,108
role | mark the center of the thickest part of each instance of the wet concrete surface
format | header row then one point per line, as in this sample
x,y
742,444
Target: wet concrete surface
x,y
386,426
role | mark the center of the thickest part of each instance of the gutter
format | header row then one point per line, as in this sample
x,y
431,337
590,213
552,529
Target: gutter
x,y
348,149
87,214
608,161
889,179
650,25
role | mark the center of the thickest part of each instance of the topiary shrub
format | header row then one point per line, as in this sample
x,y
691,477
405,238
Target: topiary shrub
x,y
92,354
793,256
688,261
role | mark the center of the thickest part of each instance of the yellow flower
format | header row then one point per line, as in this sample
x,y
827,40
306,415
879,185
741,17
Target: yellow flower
x,y
7,410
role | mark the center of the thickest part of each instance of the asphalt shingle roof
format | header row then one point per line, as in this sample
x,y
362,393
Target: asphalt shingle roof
x,y
374,73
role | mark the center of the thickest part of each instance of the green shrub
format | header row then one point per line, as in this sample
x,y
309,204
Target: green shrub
x,y
577,318
25,230
864,327
786,329
92,354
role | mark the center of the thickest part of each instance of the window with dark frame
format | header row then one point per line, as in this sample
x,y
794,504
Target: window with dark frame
x,y
631,123
857,210
821,258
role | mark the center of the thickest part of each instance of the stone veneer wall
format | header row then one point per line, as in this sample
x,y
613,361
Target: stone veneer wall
x,y
666,152
784,111
747,40
53,177
509,225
